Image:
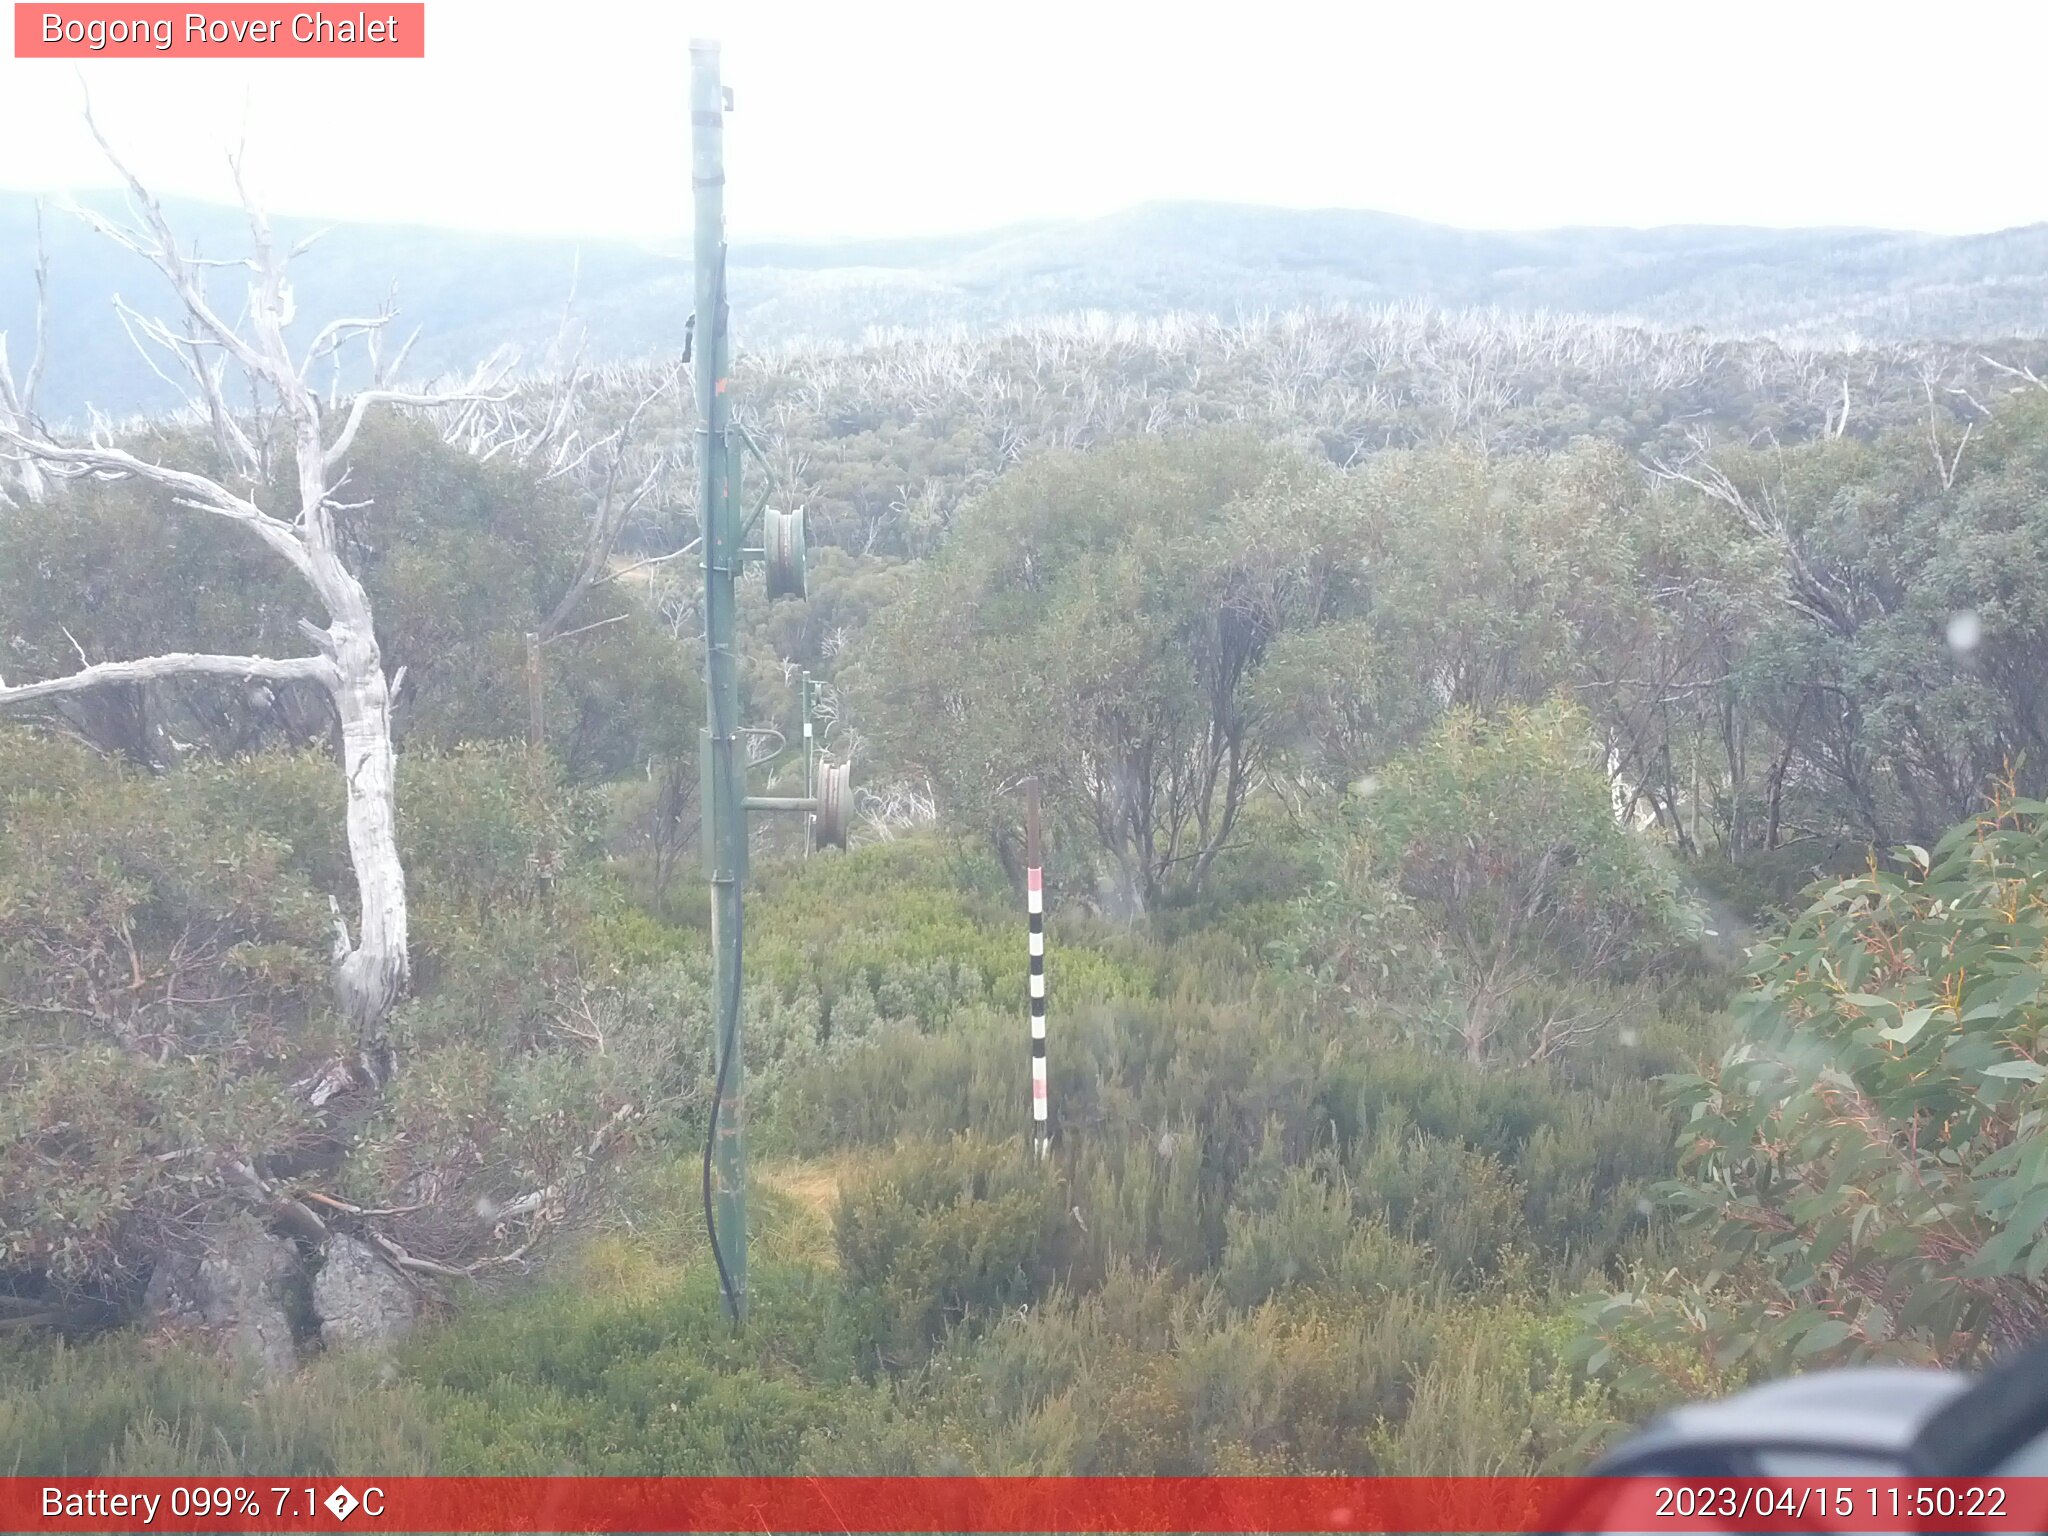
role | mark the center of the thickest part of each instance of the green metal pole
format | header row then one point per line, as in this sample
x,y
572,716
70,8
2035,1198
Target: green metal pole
x,y
725,826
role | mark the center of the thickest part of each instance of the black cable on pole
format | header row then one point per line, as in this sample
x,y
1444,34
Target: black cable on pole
x,y
728,1036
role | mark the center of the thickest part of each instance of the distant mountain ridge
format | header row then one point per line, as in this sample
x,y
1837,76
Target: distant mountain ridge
x,y
471,293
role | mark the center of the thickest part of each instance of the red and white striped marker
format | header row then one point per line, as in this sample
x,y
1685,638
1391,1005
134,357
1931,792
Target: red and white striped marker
x,y
1034,906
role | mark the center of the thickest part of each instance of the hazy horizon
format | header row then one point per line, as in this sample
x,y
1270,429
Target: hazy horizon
x,y
917,120
56,198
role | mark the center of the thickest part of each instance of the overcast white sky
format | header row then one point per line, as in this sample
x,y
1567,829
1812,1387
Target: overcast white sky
x,y
900,118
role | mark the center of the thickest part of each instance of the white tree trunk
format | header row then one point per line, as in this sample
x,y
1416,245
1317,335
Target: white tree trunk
x,y
30,485
18,397
374,973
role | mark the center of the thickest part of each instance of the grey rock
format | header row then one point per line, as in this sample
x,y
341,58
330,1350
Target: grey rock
x,y
359,1298
237,1282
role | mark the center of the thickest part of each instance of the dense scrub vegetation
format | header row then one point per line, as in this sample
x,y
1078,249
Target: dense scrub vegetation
x,y
1408,807
1241,1171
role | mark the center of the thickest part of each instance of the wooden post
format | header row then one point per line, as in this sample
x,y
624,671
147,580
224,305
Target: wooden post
x,y
536,695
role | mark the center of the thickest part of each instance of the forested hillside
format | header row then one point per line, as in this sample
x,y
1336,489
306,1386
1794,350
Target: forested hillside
x,y
1544,829
472,293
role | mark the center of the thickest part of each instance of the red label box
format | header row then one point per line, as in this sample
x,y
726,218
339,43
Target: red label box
x,y
379,30
847,1506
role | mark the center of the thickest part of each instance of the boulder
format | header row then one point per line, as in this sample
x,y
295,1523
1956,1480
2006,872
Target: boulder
x,y
360,1299
238,1282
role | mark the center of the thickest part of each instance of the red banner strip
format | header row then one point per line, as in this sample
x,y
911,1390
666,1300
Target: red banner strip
x,y
379,30
1021,1504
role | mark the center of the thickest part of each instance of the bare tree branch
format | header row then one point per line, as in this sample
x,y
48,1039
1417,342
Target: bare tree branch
x,y
640,565
2027,374
369,397
161,249
316,669
336,333
195,491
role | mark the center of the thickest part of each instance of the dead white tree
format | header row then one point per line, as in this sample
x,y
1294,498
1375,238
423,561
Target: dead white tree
x,y
897,808
18,397
1946,463
371,968
621,479
1807,586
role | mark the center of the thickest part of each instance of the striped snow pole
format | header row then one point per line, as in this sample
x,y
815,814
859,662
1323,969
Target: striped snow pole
x,y
1034,906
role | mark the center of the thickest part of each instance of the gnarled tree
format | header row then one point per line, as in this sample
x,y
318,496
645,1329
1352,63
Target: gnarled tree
x,y
370,967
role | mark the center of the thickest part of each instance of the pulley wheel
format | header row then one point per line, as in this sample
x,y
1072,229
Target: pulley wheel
x,y
783,545
834,815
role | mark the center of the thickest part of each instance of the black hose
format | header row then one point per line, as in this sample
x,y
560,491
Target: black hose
x,y
728,1038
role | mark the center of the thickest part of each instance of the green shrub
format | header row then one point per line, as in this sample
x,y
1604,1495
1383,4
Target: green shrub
x,y
1305,1235
162,977
1586,1179
1478,867
1139,1202
578,1377
1865,1167
1500,1398
124,1406
1457,1202
944,1233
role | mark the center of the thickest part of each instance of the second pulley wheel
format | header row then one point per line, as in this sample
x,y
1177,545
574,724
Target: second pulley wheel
x,y
834,816
783,548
